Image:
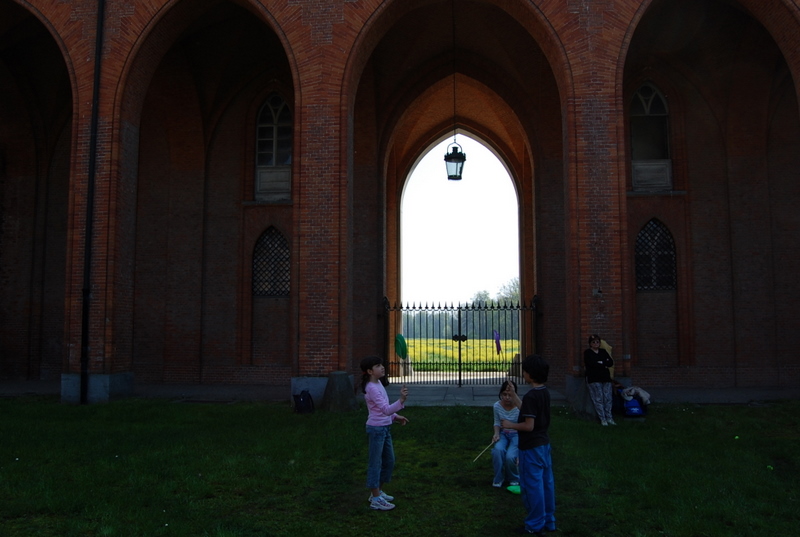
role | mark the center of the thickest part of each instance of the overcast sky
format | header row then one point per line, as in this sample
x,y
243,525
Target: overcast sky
x,y
458,237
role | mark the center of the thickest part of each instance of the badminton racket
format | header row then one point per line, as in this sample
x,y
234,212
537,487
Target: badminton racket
x,y
484,451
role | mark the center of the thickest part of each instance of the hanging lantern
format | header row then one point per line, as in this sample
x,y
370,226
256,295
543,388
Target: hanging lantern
x,y
454,162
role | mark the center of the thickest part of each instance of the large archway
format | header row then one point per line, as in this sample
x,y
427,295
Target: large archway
x,y
507,94
458,239
35,144
733,134
215,74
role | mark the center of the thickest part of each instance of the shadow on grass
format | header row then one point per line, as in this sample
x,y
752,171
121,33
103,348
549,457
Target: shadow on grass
x,y
145,467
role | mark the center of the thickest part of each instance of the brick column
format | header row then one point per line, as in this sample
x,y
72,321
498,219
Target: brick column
x,y
112,222
597,279
321,248
322,198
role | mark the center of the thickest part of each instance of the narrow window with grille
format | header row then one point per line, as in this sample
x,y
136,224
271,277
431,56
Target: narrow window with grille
x,y
655,258
271,265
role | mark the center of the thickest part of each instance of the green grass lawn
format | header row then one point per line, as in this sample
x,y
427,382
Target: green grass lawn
x,y
152,468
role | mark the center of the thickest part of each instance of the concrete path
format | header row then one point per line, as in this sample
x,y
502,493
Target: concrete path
x,y
443,395
419,395
487,395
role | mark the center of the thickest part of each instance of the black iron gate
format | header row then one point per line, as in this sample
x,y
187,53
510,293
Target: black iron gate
x,y
480,343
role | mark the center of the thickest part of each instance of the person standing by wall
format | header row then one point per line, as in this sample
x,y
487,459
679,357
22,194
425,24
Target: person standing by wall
x,y
598,377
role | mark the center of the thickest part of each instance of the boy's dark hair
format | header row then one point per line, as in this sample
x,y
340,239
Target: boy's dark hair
x,y
505,385
366,364
536,367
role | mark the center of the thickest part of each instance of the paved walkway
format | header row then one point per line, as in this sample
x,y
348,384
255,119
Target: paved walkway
x,y
487,395
419,395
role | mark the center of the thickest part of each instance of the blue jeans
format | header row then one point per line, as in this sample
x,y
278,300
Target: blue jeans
x,y
504,457
537,487
381,456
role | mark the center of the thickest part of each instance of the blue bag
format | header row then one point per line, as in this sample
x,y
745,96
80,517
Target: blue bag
x,y
633,408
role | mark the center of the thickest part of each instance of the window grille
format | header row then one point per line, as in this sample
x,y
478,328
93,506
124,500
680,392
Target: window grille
x,y
271,265
655,258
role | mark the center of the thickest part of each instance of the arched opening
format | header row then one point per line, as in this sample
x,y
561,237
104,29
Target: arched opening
x,y
214,172
511,101
655,268
36,110
459,240
732,135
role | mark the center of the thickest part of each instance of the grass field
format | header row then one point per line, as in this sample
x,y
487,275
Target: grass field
x,y
158,468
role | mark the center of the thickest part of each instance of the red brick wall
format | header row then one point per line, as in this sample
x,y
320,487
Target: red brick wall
x,y
546,82
725,214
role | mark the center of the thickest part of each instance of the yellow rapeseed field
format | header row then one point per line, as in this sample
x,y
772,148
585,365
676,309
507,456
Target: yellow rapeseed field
x,y
478,354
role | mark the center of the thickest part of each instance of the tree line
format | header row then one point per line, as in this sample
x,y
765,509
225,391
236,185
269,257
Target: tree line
x,y
478,319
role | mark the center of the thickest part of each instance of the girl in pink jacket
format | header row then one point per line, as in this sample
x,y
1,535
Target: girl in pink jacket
x,y
381,416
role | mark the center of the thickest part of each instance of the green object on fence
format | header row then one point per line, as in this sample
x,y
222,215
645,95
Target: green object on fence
x,y
400,346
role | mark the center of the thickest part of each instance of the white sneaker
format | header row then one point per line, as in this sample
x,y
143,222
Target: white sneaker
x,y
612,422
604,423
382,495
379,504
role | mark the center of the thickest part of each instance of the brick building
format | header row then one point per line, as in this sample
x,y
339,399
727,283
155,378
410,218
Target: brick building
x,y
238,167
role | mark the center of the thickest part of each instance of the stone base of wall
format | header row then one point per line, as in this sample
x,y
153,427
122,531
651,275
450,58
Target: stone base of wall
x,y
100,389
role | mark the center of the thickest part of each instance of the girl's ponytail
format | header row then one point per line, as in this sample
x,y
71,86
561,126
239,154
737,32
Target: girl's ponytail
x,y
364,380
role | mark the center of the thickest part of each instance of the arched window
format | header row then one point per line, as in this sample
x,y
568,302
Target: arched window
x,y
650,148
271,265
274,151
655,258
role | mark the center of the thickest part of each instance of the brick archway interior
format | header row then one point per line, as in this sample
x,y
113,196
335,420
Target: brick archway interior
x,y
35,143
404,104
195,317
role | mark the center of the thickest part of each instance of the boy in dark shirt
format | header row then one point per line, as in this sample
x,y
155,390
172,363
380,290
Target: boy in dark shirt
x,y
535,465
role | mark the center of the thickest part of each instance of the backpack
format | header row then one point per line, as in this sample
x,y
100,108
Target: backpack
x,y
303,403
633,408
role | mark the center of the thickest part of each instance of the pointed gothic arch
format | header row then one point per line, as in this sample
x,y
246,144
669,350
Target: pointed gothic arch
x,y
655,258
198,212
37,128
460,234
399,113
651,156
657,305
272,268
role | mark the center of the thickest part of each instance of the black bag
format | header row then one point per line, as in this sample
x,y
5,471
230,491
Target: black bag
x,y
303,403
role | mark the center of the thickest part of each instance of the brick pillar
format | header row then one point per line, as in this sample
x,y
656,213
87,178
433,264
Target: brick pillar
x,y
113,226
321,248
321,195
597,278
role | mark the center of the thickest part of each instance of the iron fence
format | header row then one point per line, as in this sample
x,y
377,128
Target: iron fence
x,y
479,343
